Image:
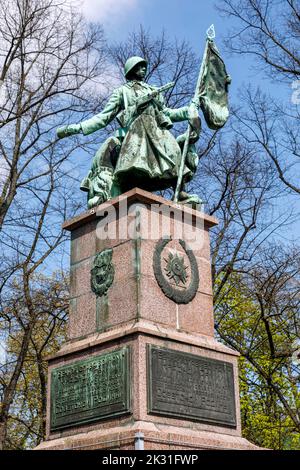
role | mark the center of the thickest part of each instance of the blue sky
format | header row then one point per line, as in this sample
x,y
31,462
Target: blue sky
x,y
187,19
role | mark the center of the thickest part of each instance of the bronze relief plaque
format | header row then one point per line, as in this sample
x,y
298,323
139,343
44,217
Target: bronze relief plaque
x,y
186,386
102,272
91,389
176,272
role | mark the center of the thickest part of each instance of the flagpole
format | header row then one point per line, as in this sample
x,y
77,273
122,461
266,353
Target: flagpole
x,y
210,34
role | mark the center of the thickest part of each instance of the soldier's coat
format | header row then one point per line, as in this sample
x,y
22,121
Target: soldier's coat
x,y
146,149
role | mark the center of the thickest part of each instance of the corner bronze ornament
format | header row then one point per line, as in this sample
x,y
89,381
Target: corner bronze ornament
x,y
102,272
176,270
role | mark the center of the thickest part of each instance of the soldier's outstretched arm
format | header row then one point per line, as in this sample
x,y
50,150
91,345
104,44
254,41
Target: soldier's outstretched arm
x,y
98,121
181,114
66,131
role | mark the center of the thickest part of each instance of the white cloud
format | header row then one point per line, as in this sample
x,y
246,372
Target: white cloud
x,y
107,10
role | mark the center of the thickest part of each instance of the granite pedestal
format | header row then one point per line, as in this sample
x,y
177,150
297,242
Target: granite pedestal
x,y
141,366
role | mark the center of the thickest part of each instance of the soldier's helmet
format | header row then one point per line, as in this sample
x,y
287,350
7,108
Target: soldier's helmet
x,y
131,63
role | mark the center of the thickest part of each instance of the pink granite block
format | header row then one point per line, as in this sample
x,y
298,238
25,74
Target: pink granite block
x,y
102,425
140,391
48,410
173,223
94,237
124,260
197,315
147,248
80,278
237,396
160,223
138,220
156,445
140,378
205,277
136,312
154,305
82,318
134,196
113,234
131,223
122,299
128,447
83,242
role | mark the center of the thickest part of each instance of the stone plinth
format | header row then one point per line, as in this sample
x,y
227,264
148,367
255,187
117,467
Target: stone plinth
x,y
141,337
135,293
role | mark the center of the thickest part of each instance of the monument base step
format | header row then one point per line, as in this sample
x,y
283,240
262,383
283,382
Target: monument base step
x,y
155,437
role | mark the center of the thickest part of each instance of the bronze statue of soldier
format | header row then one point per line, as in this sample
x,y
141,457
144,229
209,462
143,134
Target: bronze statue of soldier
x,y
143,152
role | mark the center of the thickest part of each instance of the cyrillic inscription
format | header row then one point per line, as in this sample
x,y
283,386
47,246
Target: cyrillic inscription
x,y
90,390
188,386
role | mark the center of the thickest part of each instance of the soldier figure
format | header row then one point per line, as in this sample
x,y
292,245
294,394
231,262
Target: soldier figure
x,y
142,152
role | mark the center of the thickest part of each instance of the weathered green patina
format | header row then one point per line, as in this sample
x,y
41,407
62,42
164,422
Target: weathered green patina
x,y
91,389
174,283
213,88
187,386
143,152
102,272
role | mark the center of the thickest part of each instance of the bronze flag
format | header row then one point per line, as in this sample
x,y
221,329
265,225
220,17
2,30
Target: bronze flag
x,y
213,88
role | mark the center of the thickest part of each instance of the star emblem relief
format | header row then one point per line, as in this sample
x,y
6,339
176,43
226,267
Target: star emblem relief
x,y
175,268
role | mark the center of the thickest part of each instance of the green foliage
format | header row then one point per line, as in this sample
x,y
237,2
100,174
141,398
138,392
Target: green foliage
x,y
269,386
26,422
